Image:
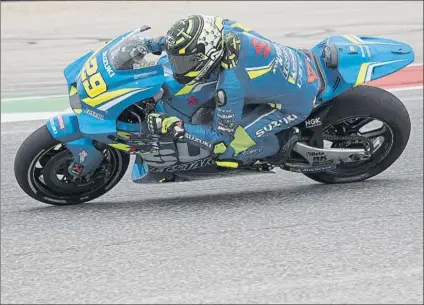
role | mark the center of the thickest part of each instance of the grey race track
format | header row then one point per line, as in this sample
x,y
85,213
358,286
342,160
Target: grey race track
x,y
279,239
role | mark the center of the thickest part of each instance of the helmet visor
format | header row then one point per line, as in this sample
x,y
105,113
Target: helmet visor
x,y
183,63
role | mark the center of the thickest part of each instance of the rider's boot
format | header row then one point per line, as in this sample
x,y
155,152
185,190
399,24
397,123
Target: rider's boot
x,y
288,139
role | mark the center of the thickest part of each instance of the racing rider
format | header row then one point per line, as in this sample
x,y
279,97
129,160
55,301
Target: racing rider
x,y
249,69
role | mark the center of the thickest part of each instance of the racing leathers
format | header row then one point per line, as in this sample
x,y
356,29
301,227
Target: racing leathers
x,y
281,82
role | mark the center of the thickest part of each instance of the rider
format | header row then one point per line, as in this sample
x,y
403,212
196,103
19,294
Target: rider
x,y
249,69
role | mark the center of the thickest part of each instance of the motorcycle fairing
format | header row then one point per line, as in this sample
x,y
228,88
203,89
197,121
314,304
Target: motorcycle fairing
x,y
360,59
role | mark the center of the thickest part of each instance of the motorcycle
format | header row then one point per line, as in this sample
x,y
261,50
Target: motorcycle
x,y
354,132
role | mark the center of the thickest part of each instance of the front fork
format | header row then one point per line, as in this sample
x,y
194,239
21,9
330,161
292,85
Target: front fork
x,y
87,157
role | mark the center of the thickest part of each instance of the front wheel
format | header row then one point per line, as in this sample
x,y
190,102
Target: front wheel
x,y
41,169
371,112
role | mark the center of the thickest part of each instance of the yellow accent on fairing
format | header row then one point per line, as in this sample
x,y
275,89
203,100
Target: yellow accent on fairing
x,y
219,148
227,164
239,25
224,65
77,111
193,73
362,74
119,146
260,71
291,80
242,141
102,98
124,134
73,90
95,85
352,39
186,89
276,106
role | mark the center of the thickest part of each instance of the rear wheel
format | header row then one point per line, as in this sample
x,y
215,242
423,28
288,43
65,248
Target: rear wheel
x,y
371,112
41,169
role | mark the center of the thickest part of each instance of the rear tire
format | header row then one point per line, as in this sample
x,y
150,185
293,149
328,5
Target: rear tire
x,y
37,145
372,102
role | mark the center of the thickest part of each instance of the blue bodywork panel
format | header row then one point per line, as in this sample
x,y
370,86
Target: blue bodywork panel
x,y
360,59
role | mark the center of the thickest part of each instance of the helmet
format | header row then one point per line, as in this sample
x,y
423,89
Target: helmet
x,y
195,47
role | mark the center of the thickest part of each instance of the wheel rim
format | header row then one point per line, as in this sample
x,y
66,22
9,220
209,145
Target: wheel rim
x,y
48,174
375,129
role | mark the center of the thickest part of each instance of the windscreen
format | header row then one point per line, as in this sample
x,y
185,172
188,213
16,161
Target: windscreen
x,y
130,53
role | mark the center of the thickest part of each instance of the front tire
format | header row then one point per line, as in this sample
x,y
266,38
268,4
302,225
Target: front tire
x,y
41,160
368,102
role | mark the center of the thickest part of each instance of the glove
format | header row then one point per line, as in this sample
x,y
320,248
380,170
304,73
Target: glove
x,y
163,124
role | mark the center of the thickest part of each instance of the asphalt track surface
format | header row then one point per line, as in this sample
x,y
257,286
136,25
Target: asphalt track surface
x,y
280,238
277,239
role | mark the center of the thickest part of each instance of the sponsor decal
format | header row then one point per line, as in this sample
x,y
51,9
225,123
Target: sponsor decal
x,y
279,58
290,118
320,168
286,68
300,72
94,114
259,46
315,153
107,65
53,125
319,159
226,116
226,121
143,75
77,168
185,166
197,140
61,122
192,100
225,128
293,64
313,122
253,151
82,155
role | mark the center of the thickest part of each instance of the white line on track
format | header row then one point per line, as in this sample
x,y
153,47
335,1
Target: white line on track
x,y
30,98
405,89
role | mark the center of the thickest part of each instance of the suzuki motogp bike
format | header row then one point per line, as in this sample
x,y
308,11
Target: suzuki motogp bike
x,y
354,133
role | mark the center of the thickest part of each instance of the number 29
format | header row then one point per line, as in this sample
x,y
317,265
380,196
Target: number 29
x,y
92,80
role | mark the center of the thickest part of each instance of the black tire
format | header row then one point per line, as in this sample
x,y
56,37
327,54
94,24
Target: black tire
x,y
41,142
376,103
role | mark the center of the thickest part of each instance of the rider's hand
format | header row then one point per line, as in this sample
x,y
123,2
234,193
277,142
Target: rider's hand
x,y
163,124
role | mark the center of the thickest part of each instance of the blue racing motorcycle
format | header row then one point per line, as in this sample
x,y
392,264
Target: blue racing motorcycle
x,y
354,132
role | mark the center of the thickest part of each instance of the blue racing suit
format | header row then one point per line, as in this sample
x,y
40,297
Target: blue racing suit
x,y
280,80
